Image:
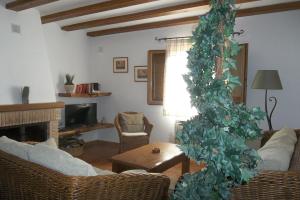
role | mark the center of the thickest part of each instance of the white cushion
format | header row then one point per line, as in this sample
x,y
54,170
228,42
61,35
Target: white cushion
x,y
277,152
103,172
134,134
136,171
60,161
50,143
13,147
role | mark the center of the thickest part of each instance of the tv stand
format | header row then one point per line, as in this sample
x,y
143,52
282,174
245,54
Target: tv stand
x,y
67,132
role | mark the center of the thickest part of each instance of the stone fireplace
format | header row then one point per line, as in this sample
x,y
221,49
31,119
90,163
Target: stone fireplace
x,y
30,122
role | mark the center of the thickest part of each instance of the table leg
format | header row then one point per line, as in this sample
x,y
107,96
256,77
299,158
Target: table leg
x,y
185,165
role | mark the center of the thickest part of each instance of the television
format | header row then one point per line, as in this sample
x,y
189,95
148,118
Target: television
x,y
77,115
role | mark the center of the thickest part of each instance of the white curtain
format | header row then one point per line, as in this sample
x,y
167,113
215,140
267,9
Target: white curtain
x,y
176,97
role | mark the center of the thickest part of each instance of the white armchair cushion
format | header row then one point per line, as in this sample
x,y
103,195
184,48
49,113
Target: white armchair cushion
x,y
277,152
13,147
60,161
134,134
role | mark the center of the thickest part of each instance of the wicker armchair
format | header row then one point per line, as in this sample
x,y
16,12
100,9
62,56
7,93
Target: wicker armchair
x,y
24,180
277,185
131,142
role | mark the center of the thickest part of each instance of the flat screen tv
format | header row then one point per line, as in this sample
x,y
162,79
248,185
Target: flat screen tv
x,y
77,115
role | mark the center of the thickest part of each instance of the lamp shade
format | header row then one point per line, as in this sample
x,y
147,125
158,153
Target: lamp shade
x,y
267,79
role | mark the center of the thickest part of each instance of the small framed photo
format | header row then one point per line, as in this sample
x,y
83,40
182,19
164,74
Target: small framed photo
x,y
140,73
120,64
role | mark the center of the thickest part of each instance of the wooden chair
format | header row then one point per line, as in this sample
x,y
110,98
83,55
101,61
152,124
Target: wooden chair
x,y
133,141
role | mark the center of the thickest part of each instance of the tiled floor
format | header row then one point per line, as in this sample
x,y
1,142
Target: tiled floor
x,y
98,154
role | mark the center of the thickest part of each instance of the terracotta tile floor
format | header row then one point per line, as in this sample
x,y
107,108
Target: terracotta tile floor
x,y
98,154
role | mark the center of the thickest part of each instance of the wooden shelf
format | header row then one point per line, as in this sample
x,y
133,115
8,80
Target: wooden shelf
x,y
83,129
75,95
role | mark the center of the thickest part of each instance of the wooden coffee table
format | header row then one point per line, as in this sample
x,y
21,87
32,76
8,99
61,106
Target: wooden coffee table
x,y
143,158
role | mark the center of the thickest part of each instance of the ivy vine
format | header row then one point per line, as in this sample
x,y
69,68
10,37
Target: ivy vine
x,y
217,135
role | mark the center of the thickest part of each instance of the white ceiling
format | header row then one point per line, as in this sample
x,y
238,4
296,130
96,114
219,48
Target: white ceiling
x,y
62,5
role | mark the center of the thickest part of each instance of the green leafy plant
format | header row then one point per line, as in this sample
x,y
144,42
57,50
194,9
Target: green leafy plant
x,y
217,135
69,79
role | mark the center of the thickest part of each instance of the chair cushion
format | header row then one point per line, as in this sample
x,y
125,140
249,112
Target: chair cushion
x,y
134,134
60,161
13,147
277,152
132,123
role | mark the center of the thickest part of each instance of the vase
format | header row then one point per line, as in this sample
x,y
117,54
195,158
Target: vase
x,y
69,88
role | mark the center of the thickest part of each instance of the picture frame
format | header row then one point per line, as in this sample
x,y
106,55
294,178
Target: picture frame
x,y
120,64
140,73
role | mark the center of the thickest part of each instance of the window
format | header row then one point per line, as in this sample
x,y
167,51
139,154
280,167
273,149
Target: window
x,y
176,97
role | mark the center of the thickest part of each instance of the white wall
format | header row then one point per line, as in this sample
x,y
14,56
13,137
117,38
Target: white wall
x,y
69,53
128,95
273,44
24,58
41,55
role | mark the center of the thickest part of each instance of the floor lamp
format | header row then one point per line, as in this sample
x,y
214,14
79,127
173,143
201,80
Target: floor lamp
x,y
267,80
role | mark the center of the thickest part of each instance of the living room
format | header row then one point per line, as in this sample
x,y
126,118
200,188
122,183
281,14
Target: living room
x,y
40,55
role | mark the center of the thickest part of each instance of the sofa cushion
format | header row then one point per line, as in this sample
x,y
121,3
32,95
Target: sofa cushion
x,y
103,172
13,147
277,152
134,134
50,143
60,161
132,123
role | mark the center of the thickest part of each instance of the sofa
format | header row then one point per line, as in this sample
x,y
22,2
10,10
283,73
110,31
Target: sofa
x,y
23,179
279,185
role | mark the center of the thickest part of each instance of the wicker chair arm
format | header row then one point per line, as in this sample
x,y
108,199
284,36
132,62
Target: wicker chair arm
x,y
148,126
118,126
270,185
125,186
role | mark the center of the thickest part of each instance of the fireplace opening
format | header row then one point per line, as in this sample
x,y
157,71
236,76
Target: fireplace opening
x,y
37,132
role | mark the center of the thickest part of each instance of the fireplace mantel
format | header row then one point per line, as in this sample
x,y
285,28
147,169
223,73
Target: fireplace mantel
x,y
32,106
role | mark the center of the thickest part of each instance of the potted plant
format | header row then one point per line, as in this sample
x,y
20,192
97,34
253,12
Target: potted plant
x,y
69,85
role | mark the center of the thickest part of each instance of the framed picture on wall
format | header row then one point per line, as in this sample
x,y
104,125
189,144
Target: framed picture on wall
x,y
140,73
120,64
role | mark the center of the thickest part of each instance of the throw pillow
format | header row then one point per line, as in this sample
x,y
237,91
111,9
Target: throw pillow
x,y
60,161
13,147
277,152
132,123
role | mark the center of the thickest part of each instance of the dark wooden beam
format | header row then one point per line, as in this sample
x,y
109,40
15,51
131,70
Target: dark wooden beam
x,y
159,24
25,4
90,9
190,20
269,9
137,16
142,15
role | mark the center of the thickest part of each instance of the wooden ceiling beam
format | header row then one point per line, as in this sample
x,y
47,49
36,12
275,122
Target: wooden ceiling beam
x,y
90,9
269,9
137,16
159,24
190,20
19,5
142,15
